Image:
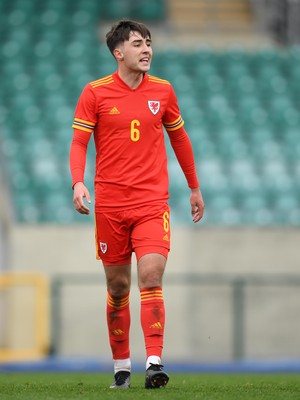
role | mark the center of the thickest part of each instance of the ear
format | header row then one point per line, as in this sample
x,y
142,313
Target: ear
x,y
118,54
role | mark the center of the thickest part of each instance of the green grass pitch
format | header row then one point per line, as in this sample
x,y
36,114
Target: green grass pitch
x,y
60,386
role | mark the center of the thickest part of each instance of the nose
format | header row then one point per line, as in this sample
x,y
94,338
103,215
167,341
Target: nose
x,y
145,48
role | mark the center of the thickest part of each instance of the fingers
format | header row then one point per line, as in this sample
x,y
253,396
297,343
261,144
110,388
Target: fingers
x,y
80,206
88,197
79,203
197,212
197,205
196,216
83,209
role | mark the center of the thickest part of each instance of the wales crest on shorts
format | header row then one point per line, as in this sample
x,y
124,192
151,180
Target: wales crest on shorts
x,y
154,106
103,247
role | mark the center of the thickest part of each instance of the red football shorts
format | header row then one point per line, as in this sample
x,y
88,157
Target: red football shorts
x,y
143,230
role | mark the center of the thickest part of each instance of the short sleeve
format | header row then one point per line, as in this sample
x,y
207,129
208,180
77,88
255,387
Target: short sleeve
x,y
85,117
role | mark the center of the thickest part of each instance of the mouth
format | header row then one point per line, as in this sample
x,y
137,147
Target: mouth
x,y
145,60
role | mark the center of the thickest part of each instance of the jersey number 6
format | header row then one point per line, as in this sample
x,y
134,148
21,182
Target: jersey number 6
x,y
134,131
166,219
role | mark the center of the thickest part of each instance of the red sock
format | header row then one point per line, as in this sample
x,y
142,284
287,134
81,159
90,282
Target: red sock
x,y
153,320
118,323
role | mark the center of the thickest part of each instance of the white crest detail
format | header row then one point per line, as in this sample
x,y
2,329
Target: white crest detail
x,y
103,247
154,106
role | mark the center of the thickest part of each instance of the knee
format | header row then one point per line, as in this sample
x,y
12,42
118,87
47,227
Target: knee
x,y
150,279
118,287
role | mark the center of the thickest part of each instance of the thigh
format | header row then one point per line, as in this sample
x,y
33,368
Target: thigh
x,y
113,243
151,230
151,268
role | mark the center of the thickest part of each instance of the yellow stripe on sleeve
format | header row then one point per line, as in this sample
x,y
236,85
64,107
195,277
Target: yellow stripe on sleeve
x,y
174,125
84,125
92,124
82,128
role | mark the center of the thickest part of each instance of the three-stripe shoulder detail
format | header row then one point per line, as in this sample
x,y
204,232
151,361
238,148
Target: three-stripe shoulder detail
x,y
154,79
103,81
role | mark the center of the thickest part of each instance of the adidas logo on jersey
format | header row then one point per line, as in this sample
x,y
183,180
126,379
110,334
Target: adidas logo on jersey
x,y
114,111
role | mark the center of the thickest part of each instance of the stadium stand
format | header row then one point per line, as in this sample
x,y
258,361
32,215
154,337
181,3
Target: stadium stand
x,y
200,15
241,109
145,10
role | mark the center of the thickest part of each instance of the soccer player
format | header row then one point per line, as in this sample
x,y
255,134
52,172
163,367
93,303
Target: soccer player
x,y
127,112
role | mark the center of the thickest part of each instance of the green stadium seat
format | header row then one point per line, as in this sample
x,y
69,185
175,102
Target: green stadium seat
x,y
57,207
149,10
52,36
57,5
92,7
201,57
236,71
145,10
260,217
294,56
21,182
28,7
26,208
116,9
205,71
10,68
51,18
229,217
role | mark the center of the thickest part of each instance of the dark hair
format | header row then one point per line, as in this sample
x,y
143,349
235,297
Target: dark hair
x,y
120,32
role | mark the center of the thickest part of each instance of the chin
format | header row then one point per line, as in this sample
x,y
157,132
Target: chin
x,y
144,68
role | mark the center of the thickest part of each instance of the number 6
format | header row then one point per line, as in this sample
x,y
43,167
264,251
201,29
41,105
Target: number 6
x,y
134,132
166,221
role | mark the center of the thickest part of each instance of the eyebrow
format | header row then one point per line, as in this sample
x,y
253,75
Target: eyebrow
x,y
140,40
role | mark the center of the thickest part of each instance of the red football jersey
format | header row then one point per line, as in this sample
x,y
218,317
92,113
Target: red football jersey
x,y
131,160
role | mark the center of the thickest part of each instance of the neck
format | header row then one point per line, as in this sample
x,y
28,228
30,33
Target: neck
x,y
132,79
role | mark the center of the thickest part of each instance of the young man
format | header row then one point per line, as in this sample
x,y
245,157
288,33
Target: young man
x,y
127,111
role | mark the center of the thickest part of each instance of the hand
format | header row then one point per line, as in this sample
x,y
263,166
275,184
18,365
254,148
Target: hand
x,y
80,191
197,205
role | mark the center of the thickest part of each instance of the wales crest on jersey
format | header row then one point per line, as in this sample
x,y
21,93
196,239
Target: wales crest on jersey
x,y
154,106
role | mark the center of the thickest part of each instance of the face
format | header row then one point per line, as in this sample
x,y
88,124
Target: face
x,y
136,53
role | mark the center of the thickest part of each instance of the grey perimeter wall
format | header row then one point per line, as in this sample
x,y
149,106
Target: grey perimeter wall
x,y
207,318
